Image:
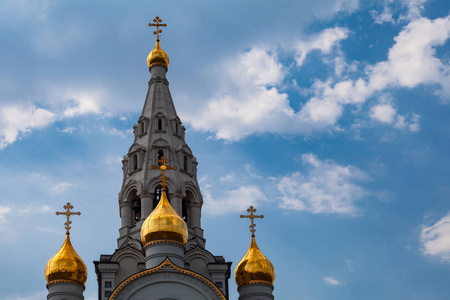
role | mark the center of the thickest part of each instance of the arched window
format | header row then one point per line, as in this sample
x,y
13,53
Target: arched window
x,y
158,195
185,163
184,211
135,162
135,206
159,124
160,154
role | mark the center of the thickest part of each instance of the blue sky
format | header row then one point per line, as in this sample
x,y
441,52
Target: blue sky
x,y
330,117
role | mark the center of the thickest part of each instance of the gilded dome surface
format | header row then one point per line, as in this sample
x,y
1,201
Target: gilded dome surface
x,y
254,267
164,224
66,264
157,57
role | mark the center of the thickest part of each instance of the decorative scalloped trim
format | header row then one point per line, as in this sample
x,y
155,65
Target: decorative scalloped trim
x,y
166,262
258,282
163,241
64,281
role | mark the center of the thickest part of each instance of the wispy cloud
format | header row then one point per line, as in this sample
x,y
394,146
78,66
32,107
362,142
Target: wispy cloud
x,y
332,281
52,185
325,188
232,201
435,239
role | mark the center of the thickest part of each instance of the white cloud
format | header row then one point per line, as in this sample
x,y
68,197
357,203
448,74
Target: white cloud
x,y
53,186
332,281
325,188
232,201
228,177
68,130
4,210
348,6
83,102
18,120
324,42
435,239
398,11
384,113
116,132
250,102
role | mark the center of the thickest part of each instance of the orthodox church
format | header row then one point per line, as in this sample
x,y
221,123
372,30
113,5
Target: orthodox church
x,y
161,252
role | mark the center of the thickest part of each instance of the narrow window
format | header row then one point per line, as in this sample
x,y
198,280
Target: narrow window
x,y
159,124
142,127
184,211
160,155
185,163
176,128
135,162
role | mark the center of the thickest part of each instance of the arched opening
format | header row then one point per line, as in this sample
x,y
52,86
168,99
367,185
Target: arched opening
x,y
158,195
185,207
135,162
135,201
160,154
184,211
159,124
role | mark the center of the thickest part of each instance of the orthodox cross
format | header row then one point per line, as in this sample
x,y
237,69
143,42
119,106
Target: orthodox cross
x,y
158,24
251,210
68,207
162,161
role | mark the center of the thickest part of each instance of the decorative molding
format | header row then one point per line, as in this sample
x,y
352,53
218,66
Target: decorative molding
x,y
167,263
64,281
163,242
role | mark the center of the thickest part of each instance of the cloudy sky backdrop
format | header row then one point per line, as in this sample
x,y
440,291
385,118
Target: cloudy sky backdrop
x,y
331,117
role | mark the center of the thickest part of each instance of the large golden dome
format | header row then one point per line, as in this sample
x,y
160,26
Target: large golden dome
x,y
254,267
66,264
164,224
157,57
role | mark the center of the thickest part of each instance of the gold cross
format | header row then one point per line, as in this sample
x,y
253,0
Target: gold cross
x,y
158,24
68,207
163,169
251,210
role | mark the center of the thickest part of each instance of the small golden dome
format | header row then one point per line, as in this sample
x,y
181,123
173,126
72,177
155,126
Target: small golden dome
x,y
254,267
157,57
164,224
66,264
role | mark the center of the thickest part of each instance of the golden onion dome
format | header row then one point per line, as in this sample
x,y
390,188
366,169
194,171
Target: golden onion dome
x,y
254,267
66,264
157,57
164,224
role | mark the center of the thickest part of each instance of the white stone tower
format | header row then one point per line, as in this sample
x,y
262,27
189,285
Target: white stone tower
x,y
159,133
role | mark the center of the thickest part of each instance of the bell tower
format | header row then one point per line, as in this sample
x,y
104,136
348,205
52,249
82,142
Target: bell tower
x,y
158,134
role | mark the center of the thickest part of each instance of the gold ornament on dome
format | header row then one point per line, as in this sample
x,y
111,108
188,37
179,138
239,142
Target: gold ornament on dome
x,y
164,223
157,56
254,267
66,265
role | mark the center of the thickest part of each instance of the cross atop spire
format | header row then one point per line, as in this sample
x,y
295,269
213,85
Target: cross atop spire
x,y
68,207
162,161
251,210
157,24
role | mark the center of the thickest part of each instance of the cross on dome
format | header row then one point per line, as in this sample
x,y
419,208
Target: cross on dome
x,y
251,210
157,24
68,207
162,161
